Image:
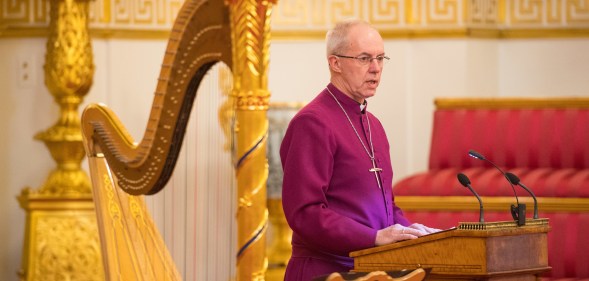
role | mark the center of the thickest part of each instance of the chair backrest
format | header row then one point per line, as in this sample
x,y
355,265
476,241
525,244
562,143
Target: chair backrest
x,y
512,132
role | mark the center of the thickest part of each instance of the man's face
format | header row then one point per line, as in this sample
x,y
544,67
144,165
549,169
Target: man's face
x,y
361,79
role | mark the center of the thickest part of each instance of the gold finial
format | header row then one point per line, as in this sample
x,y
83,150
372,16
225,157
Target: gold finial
x,y
68,76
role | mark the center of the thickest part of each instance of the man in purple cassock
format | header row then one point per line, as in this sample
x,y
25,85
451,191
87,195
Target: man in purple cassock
x,y
337,186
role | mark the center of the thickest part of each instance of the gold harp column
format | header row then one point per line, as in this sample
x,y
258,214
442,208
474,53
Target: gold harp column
x,y
250,32
61,235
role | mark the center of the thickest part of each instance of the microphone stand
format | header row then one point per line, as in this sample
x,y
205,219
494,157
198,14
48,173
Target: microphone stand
x,y
515,180
518,213
463,179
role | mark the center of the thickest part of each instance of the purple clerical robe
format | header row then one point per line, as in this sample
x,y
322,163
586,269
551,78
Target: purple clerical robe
x,y
331,200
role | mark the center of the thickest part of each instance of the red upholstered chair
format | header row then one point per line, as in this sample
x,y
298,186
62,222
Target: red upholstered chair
x,y
545,142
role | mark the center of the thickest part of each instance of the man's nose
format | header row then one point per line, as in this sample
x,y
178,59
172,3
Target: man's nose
x,y
374,65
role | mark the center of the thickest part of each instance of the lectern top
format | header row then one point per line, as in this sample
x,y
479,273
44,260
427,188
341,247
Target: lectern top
x,y
468,229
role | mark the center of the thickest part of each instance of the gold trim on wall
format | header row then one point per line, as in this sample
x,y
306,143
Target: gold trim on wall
x,y
508,103
309,19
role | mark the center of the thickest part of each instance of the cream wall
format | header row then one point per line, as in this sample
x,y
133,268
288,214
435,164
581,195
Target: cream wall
x,y
24,111
419,70
544,67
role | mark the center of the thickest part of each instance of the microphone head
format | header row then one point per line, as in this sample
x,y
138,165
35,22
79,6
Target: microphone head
x,y
512,178
476,155
463,179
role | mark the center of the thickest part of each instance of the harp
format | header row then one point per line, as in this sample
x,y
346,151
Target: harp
x,y
122,171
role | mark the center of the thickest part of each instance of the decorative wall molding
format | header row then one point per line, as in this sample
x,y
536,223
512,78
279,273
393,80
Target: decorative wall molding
x,y
436,18
309,19
110,14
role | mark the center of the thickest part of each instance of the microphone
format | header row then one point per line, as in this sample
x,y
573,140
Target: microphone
x,y
463,179
515,180
517,212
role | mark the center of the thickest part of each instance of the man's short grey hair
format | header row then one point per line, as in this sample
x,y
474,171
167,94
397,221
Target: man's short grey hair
x,y
336,38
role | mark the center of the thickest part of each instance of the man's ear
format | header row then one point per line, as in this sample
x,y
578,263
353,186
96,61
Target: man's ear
x,y
334,63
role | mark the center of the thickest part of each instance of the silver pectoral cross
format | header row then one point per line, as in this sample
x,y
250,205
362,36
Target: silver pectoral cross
x,y
376,172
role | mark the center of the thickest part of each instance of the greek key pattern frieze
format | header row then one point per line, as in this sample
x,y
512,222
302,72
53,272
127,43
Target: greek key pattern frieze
x,y
300,17
154,14
30,12
292,15
385,14
482,13
564,13
114,14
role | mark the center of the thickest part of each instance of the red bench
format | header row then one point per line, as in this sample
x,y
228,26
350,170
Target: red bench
x,y
545,142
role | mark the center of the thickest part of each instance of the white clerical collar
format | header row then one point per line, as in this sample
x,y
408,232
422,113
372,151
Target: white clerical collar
x,y
362,106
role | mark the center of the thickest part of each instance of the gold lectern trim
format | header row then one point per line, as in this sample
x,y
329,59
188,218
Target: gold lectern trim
x,y
501,224
469,203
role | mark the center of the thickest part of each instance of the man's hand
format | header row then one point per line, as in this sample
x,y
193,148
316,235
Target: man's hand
x,y
398,232
423,228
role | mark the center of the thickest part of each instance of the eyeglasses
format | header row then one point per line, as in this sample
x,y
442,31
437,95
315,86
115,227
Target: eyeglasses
x,y
365,60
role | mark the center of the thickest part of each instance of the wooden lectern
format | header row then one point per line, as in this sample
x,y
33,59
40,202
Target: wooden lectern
x,y
471,251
